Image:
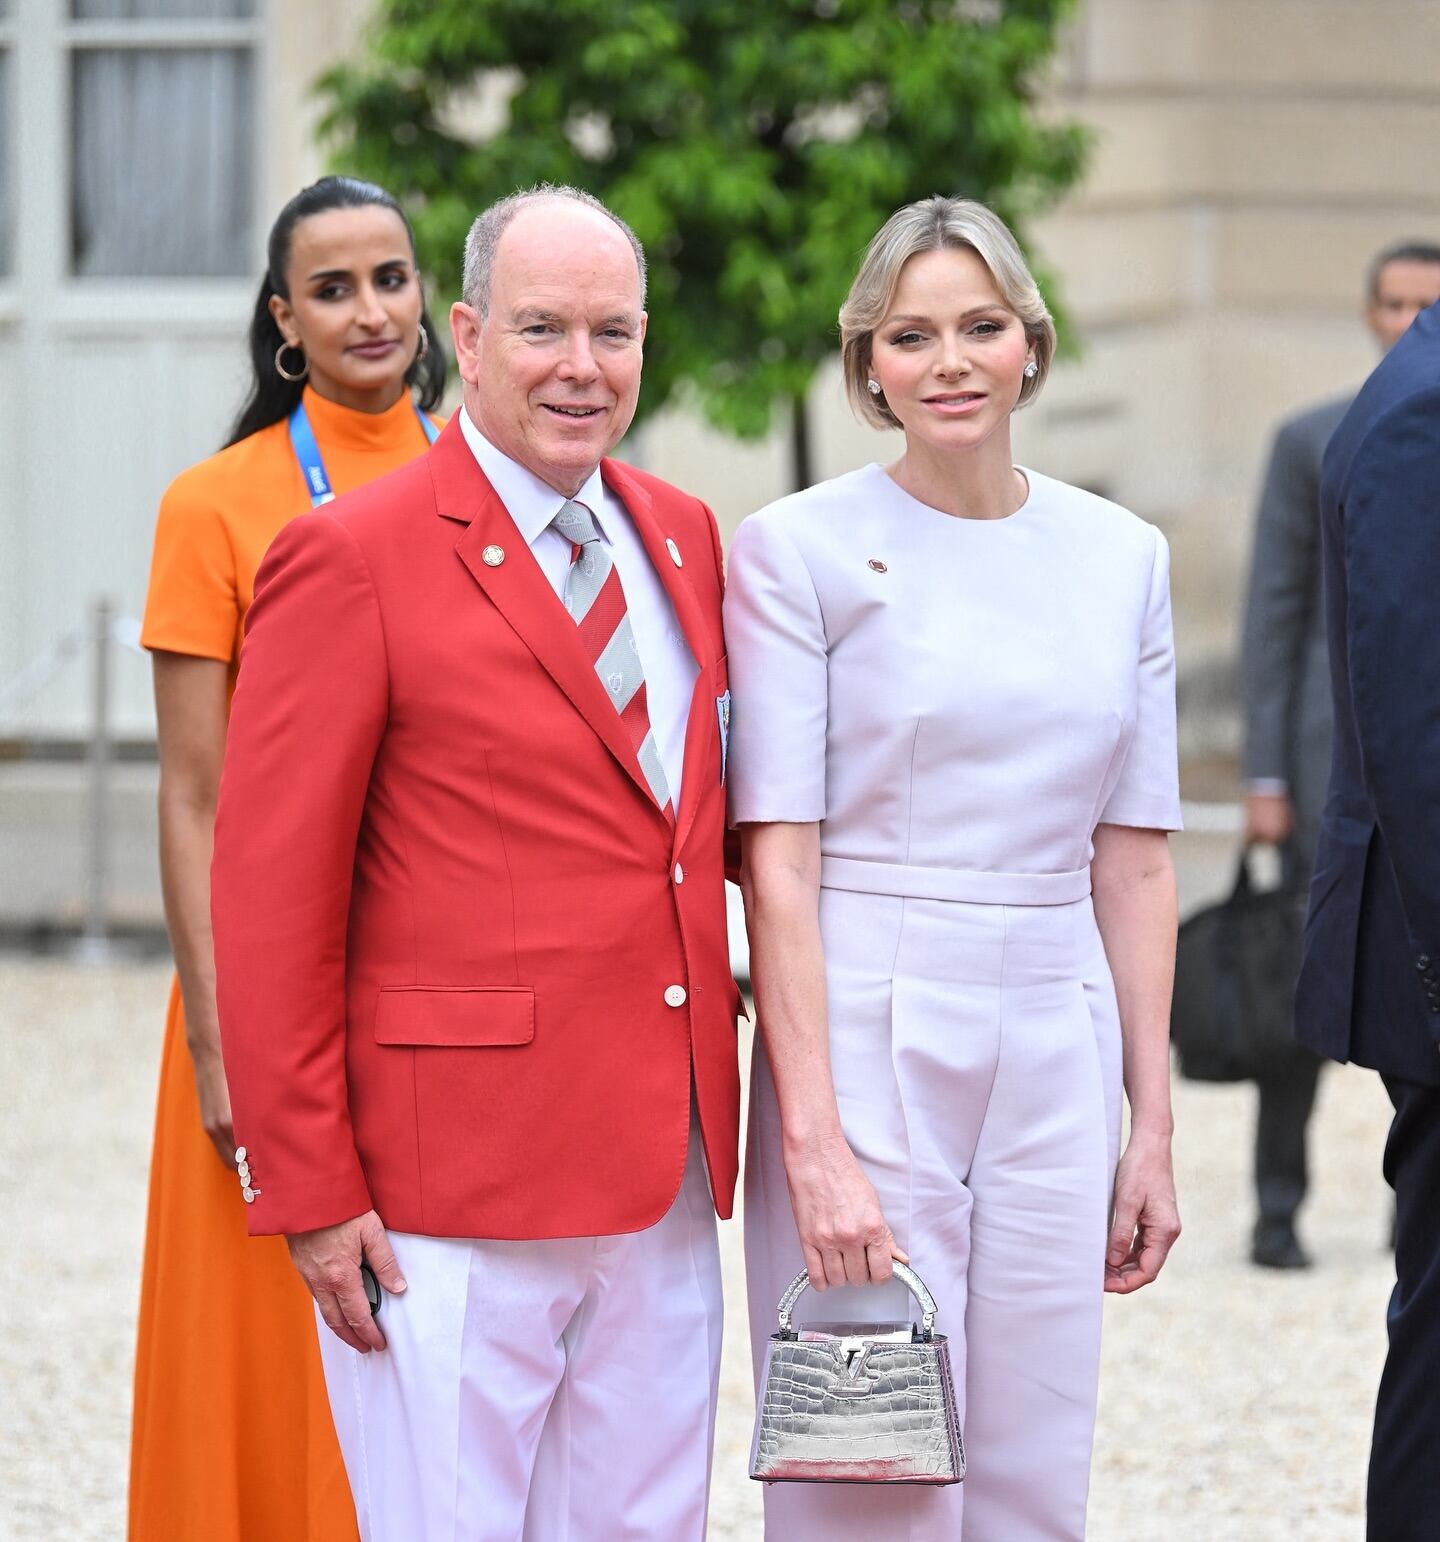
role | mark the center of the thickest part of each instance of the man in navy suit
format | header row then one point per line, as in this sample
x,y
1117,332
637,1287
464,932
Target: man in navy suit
x,y
1285,671
1369,988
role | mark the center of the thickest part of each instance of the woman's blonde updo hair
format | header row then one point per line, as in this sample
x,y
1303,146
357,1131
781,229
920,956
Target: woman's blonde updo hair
x,y
932,225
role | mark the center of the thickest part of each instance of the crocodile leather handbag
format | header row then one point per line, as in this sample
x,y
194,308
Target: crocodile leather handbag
x,y
858,1402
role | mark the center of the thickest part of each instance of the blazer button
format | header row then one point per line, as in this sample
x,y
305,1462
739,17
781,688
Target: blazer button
x,y
674,995
1423,962
679,873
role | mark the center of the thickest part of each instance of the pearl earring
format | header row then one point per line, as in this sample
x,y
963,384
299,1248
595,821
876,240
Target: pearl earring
x,y
1031,370
873,386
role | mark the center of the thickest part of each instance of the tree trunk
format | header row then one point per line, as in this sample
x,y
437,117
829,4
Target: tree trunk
x,y
799,445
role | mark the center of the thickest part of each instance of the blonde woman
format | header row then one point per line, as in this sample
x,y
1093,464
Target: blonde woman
x,y
954,765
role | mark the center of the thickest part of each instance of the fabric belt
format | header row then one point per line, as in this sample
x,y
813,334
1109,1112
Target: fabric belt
x,y
943,883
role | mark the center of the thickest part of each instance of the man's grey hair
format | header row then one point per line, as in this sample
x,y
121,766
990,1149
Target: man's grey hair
x,y
485,233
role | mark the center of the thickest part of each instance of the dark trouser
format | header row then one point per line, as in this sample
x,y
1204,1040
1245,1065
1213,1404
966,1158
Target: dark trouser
x,y
1403,1503
1287,1090
1287,1094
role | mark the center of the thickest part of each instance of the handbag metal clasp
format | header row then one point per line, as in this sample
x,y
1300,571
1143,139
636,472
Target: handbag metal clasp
x,y
850,1357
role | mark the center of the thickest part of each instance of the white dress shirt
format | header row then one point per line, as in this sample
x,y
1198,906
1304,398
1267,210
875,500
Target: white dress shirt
x,y
670,667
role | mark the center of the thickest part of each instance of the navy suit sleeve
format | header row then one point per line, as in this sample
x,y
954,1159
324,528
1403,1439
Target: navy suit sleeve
x,y
1391,533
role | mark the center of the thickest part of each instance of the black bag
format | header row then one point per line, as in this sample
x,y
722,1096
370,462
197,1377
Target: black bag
x,y
1235,969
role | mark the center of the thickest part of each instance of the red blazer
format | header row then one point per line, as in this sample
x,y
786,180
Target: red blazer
x,y
450,921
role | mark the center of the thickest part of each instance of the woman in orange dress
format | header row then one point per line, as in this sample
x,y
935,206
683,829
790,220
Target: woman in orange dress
x,y
232,1439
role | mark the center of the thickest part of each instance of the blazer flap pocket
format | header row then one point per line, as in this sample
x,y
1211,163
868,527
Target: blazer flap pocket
x,y
455,1015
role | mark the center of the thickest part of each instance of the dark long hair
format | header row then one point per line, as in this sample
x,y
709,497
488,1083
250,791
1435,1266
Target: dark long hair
x,y
272,397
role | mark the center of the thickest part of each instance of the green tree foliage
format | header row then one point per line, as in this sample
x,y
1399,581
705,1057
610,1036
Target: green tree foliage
x,y
754,145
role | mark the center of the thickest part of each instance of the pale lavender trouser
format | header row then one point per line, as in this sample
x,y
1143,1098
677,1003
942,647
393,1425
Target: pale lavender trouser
x,y
976,1053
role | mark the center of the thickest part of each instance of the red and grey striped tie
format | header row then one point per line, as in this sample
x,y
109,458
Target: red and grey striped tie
x,y
596,601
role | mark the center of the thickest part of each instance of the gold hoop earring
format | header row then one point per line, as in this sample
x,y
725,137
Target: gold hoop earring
x,y
284,373
424,344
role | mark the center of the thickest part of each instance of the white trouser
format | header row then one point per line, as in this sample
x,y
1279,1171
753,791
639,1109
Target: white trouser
x,y
551,1391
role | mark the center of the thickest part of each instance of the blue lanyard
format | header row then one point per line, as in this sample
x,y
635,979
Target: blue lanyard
x,y
307,452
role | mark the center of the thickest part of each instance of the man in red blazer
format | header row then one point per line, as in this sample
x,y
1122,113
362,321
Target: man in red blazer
x,y
468,896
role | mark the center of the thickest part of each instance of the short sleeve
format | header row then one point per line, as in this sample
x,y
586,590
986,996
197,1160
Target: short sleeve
x,y
1147,792
193,603
775,636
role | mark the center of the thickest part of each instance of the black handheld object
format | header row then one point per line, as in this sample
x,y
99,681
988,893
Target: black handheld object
x,y
373,1294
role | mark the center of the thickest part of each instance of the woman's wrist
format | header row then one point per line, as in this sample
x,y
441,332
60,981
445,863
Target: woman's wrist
x,y
202,1039
811,1133
1152,1125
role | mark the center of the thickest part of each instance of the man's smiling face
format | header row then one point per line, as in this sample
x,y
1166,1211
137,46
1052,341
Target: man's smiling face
x,y
552,370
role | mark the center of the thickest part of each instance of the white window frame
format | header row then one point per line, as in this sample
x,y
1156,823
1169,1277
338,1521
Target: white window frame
x,y
10,169
41,40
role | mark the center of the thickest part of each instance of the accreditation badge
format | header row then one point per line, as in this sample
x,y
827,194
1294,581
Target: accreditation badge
x,y
722,711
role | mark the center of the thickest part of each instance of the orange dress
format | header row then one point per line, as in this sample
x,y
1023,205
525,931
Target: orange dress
x,y
231,1439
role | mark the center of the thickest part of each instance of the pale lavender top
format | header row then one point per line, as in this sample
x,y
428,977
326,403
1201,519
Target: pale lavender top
x,y
942,692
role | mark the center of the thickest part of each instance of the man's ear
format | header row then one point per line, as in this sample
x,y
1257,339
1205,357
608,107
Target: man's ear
x,y
465,335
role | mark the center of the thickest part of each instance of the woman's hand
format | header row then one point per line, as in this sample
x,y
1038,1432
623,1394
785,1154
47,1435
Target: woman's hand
x,y
844,1237
1146,1216
213,1092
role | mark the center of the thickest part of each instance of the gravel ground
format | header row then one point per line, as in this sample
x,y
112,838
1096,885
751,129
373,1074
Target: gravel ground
x,y
1235,1404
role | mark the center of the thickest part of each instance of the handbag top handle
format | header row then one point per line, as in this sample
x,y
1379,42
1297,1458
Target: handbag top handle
x,y
903,1272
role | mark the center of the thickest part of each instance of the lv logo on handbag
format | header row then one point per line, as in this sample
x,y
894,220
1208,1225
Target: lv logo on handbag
x,y
858,1402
